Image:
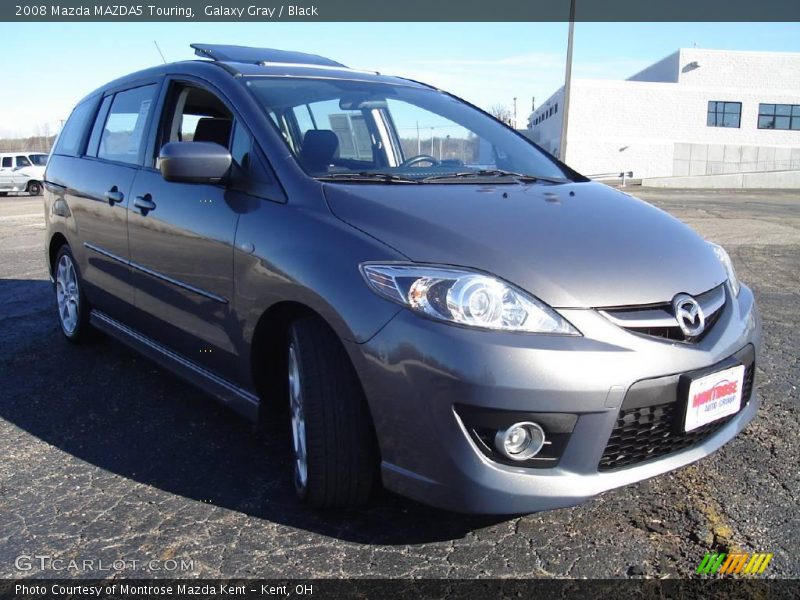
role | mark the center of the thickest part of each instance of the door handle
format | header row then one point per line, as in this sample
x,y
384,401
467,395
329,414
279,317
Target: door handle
x,y
145,204
114,196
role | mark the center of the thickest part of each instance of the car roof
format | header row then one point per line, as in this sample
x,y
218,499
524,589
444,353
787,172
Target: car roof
x,y
244,61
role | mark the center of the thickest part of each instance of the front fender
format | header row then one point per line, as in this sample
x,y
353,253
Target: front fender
x,y
302,254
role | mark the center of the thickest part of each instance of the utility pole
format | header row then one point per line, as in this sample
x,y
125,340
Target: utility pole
x,y
562,151
419,141
515,112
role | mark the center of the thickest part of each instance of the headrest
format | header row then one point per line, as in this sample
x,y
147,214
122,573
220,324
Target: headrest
x,y
319,149
210,129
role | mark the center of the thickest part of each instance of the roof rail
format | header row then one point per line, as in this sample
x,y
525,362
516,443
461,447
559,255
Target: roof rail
x,y
261,56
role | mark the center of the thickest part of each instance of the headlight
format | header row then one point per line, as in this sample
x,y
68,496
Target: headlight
x,y
464,297
723,257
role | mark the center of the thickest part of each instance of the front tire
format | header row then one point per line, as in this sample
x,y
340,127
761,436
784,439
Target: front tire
x,y
35,188
73,308
335,451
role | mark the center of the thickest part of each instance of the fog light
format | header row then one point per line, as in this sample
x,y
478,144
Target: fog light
x,y
521,441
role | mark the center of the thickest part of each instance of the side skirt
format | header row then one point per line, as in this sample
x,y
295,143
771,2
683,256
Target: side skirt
x,y
242,401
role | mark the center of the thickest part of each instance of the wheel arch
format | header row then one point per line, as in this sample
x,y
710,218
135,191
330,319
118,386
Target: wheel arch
x,y
268,355
268,358
57,240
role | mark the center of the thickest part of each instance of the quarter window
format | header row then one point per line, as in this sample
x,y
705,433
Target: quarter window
x,y
779,116
7,162
70,140
248,168
124,132
724,114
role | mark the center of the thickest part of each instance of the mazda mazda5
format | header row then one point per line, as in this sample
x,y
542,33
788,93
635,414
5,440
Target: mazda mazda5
x,y
423,296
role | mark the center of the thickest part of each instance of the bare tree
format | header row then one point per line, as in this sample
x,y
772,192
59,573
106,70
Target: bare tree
x,y
41,142
502,113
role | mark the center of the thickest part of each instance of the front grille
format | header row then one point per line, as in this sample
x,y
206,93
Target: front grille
x,y
658,320
648,432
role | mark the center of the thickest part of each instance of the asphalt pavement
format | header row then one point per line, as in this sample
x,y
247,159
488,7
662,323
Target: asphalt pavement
x,y
105,457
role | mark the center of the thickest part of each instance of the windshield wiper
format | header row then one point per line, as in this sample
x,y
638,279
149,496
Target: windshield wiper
x,y
495,173
367,176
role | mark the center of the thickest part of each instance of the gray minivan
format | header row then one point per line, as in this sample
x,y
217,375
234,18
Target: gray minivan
x,y
429,300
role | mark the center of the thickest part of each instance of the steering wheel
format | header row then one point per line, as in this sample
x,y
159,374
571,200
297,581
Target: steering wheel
x,y
409,162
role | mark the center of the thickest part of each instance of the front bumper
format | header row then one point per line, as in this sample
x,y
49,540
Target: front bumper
x,y
416,372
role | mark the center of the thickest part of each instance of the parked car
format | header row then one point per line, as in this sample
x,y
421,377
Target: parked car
x,y
428,299
22,172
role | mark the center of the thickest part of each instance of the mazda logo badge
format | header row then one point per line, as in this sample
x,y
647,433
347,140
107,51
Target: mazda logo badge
x,y
689,315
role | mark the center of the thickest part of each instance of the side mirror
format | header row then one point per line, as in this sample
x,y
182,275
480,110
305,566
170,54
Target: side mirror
x,y
194,162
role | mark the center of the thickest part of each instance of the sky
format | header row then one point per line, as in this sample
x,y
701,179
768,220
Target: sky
x,y
48,67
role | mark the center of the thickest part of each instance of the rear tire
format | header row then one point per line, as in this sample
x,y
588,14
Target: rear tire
x,y
73,308
34,188
335,450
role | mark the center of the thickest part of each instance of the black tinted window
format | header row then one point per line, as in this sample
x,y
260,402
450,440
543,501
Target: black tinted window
x,y
123,136
97,128
70,140
241,148
22,161
6,162
249,170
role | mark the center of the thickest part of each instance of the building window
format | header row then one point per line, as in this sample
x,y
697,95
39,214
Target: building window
x,y
779,116
724,114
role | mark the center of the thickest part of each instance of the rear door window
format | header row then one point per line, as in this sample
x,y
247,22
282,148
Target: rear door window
x,y
123,136
22,161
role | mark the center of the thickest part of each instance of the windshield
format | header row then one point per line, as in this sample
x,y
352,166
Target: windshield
x,y
374,131
40,160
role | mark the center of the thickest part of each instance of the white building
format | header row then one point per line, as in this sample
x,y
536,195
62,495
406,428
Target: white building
x,y
696,112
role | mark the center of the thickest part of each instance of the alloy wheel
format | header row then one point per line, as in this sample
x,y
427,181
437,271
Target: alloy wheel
x,y
298,423
67,294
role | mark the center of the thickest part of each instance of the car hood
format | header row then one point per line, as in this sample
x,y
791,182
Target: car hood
x,y
571,245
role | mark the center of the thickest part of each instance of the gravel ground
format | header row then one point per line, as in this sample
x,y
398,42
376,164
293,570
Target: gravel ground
x,y
106,457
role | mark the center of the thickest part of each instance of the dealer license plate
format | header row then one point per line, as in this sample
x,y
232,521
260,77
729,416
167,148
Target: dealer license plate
x,y
714,397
